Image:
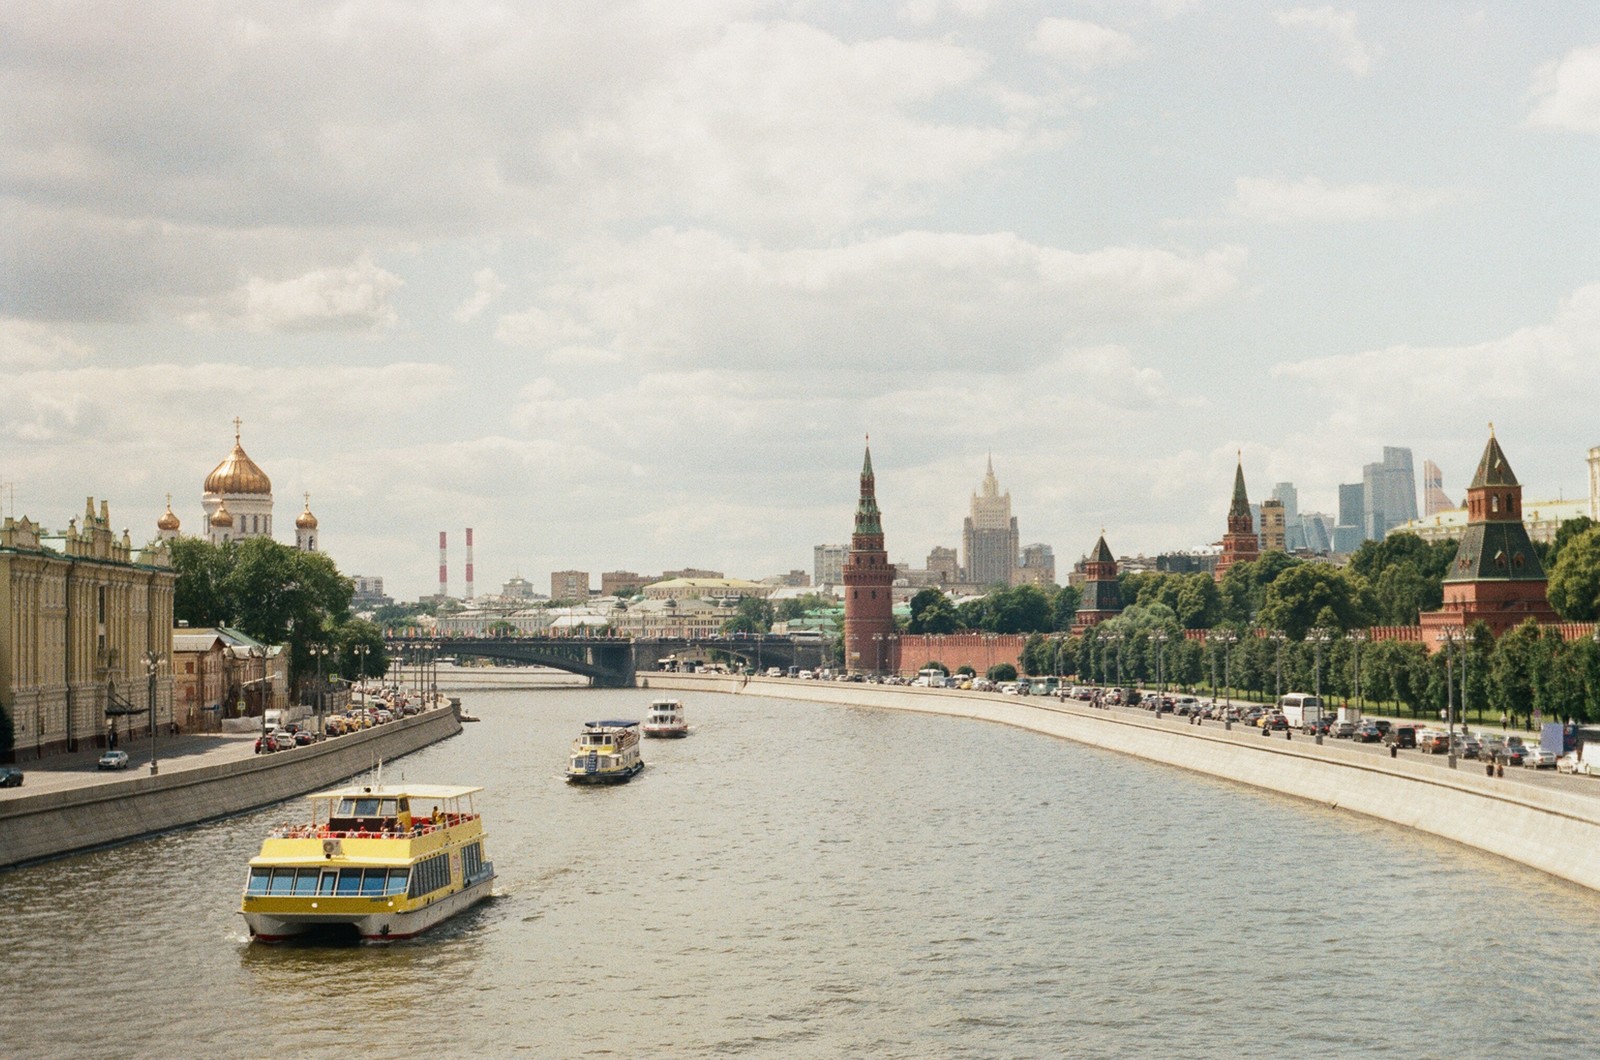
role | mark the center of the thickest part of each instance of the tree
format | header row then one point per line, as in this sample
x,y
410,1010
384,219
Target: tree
x,y
932,612
801,606
1569,529
1517,657
1198,604
1020,609
1002,672
1065,607
353,664
1313,594
1244,587
1575,580
752,615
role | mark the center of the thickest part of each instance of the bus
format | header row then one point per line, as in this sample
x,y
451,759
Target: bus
x,y
1300,710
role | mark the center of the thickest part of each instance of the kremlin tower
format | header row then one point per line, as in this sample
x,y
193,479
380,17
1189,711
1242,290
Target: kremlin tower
x,y
1102,594
868,581
1240,544
1496,577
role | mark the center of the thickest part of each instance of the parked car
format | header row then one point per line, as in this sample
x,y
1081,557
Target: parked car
x,y
114,760
1433,741
1539,758
1467,745
1401,736
1367,732
1515,754
302,737
1275,722
10,777
283,741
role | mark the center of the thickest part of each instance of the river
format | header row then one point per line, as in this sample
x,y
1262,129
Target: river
x,y
805,880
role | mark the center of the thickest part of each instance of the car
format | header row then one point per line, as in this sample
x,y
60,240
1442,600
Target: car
x,y
1539,758
303,737
1401,736
283,741
1384,725
1316,727
1515,754
1492,747
114,760
1367,732
1274,723
10,777
1466,745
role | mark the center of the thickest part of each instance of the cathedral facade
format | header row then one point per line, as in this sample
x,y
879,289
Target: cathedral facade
x,y
237,504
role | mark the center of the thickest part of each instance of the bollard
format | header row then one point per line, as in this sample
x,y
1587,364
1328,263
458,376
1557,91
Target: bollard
x,y
1489,768
1265,731
1394,750
1288,734
1227,725
1499,770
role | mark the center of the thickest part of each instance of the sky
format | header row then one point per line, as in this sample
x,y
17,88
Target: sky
x,y
627,285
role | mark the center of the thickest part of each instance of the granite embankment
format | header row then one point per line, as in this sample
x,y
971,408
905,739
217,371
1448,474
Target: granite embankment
x,y
52,823
1557,832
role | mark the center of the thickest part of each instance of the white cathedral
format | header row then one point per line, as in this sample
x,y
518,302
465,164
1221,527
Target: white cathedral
x,y
238,504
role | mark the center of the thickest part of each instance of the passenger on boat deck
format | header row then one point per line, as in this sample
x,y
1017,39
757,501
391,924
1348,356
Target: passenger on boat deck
x,y
438,817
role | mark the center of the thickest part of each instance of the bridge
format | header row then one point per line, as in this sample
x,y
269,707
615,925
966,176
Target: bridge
x,y
614,662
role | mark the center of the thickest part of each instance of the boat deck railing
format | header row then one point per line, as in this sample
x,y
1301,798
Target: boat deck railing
x,y
386,828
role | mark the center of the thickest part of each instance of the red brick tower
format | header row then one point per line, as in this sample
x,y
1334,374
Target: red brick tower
x,y
1240,544
1496,576
868,599
1102,594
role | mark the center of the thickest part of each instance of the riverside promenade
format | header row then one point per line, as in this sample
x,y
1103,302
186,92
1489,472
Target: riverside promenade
x,y
67,804
1545,822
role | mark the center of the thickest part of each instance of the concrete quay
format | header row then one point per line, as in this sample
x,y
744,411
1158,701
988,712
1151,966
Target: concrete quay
x,y
68,805
1547,823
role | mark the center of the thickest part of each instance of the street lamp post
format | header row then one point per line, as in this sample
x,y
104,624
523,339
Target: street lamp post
x,y
260,652
1450,635
1110,639
1278,637
1357,637
1319,637
1214,638
152,664
320,652
361,651
1229,639
1161,638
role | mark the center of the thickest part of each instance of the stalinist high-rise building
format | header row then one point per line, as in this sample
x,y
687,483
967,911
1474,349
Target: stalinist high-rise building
x,y
989,537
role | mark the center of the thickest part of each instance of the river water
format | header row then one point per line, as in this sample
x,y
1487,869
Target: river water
x,y
806,880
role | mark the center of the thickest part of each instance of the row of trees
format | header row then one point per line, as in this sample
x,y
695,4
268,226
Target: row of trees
x,y
277,595
1529,671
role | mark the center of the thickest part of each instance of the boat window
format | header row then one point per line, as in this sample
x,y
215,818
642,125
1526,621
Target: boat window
x,y
373,882
327,881
386,808
282,882
349,882
366,807
258,881
347,807
397,881
305,881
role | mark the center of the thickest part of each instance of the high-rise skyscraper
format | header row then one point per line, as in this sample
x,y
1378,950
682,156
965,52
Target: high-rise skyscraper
x,y
989,535
828,564
1294,535
1434,498
1389,492
1347,534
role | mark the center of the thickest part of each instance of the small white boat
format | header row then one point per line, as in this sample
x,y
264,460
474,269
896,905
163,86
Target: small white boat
x,y
665,720
606,752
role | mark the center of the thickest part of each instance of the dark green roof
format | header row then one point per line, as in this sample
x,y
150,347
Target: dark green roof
x,y
1101,554
1497,551
1493,470
1241,500
868,519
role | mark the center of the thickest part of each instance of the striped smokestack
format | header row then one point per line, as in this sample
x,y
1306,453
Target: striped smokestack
x,y
469,563
444,568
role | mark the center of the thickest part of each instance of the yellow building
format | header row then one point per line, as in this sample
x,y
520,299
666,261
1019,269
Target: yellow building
x,y
707,589
84,624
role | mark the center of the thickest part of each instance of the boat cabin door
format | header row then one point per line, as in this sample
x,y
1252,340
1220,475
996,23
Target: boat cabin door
x,y
327,880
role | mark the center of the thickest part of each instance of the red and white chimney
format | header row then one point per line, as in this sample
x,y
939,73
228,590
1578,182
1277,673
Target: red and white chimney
x,y
444,567
469,595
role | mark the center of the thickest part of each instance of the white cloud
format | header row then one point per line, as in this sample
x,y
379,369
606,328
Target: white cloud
x,y
1339,28
922,12
24,344
353,298
914,301
486,288
1084,45
1568,92
1278,200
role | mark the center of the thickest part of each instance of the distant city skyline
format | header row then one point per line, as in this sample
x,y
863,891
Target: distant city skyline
x,y
625,285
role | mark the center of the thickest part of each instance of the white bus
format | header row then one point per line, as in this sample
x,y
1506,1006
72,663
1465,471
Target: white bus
x,y
1300,710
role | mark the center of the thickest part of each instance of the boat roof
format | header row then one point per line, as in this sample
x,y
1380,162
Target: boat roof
x,y
414,791
613,724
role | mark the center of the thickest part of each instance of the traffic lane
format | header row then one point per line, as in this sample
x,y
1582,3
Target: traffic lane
x,y
77,770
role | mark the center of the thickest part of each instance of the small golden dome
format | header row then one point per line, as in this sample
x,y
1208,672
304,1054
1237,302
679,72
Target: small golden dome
x,y
222,517
168,520
305,520
238,473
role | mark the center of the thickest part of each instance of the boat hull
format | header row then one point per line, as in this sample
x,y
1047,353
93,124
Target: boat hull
x,y
667,732
386,926
615,776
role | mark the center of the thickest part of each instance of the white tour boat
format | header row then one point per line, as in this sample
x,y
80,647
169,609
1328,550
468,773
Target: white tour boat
x,y
666,720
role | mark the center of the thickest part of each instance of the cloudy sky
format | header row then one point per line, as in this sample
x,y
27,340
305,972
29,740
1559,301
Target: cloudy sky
x,y
625,285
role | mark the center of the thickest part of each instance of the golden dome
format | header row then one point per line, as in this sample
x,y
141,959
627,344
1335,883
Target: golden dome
x,y
222,517
168,520
305,520
238,473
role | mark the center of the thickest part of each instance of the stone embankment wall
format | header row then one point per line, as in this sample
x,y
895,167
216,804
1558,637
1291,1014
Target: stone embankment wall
x,y
1554,831
59,822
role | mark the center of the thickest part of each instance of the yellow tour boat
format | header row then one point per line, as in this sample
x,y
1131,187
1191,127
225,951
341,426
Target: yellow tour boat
x,y
386,861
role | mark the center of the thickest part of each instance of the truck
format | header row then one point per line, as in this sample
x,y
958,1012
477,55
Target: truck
x,y
1300,710
1347,722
